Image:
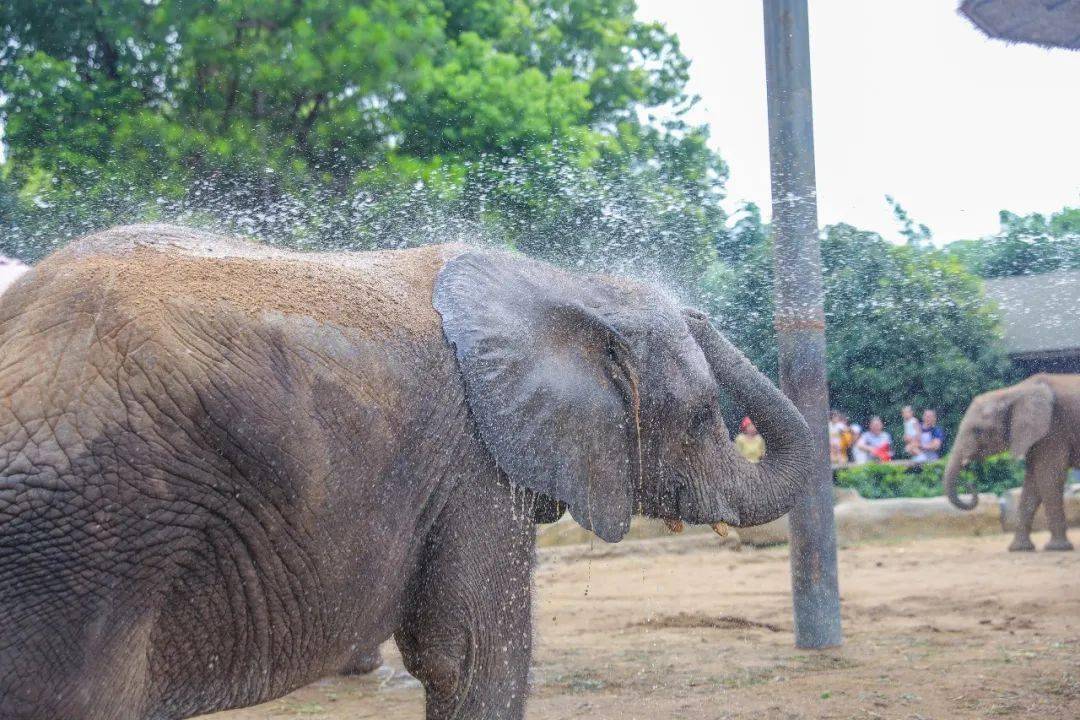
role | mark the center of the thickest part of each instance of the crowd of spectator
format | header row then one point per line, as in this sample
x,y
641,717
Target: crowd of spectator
x,y
849,442
923,440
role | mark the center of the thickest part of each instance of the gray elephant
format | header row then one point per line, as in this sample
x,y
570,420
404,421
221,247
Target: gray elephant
x,y
1037,420
227,471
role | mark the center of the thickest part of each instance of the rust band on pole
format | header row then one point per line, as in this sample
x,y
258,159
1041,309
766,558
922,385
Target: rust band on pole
x,y
800,316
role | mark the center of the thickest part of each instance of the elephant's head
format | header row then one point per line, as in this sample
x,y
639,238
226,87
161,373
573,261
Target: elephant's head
x,y
1013,419
603,394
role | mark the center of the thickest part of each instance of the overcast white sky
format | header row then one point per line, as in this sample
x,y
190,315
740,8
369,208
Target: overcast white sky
x,y
909,99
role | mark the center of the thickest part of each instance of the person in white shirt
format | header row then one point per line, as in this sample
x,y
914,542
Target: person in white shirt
x,y
857,455
932,439
875,443
912,431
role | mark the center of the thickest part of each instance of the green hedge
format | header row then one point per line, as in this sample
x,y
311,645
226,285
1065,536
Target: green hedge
x,y
996,474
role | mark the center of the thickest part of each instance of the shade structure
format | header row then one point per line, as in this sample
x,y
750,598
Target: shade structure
x,y
1050,23
1040,316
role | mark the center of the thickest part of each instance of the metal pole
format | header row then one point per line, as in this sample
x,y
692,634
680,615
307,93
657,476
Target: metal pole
x,y
800,314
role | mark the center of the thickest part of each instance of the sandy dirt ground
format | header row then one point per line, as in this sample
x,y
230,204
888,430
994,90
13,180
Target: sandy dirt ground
x,y
680,628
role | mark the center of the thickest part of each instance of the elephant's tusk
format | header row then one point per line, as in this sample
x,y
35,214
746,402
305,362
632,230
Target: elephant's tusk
x,y
675,525
720,528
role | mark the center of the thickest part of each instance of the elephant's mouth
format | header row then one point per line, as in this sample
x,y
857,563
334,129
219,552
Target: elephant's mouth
x,y
674,507
665,505
676,526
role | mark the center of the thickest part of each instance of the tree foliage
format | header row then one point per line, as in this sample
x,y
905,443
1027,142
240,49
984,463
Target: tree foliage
x,y
916,234
313,121
555,127
904,325
1025,245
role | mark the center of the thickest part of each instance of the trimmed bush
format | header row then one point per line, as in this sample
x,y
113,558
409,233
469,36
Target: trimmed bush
x,y
874,481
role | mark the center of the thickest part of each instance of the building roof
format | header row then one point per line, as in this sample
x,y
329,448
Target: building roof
x,y
1050,23
1040,314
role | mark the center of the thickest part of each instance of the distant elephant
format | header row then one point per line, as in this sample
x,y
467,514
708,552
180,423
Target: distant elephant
x,y
1037,420
227,471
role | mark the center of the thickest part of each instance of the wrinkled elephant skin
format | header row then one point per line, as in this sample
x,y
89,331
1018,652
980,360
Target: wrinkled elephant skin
x,y
227,471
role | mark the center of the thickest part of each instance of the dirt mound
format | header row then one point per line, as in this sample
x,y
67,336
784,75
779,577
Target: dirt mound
x,y
700,620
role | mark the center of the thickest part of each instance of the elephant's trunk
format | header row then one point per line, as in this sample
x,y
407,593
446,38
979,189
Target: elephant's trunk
x,y
952,473
766,490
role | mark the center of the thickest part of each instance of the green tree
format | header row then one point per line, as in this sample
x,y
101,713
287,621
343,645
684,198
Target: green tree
x,y
352,124
916,235
904,325
1025,244
746,234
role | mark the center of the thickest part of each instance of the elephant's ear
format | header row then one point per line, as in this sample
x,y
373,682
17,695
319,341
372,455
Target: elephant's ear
x,y
551,384
1029,417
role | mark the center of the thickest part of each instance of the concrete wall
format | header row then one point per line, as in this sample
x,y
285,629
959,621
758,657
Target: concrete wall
x,y
857,519
1010,502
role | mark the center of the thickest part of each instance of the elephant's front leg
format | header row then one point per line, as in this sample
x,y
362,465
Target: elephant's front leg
x,y
467,634
1048,462
1025,515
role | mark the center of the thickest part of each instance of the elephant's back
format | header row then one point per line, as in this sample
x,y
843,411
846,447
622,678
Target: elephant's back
x,y
193,396
154,270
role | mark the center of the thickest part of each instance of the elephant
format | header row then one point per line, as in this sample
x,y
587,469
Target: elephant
x,y
229,470
1038,420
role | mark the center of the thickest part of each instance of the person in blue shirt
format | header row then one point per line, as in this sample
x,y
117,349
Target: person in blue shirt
x,y
932,439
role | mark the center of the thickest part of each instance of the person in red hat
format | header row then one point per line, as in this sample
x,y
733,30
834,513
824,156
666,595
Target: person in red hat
x,y
749,444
